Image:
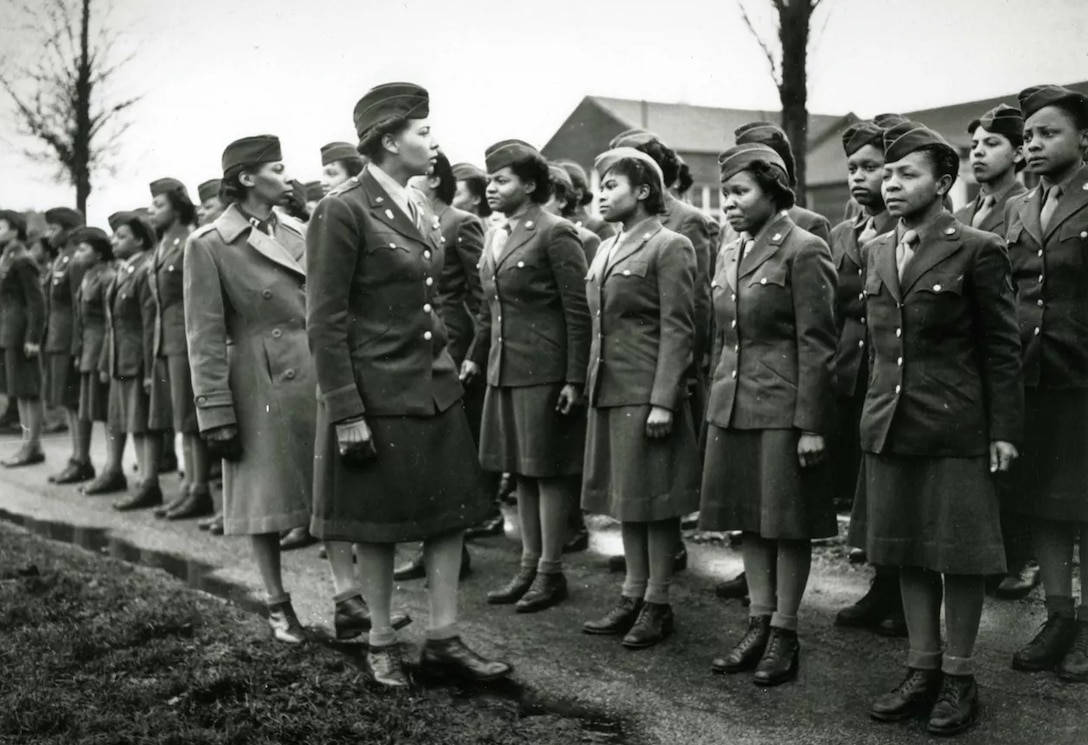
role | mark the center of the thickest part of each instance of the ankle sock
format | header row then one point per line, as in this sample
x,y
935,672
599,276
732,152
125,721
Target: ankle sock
x,y
761,610
1060,605
634,587
782,621
920,660
384,638
529,562
657,592
549,567
961,666
272,600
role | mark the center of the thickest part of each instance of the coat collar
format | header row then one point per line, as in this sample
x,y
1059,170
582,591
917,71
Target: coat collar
x,y
524,230
173,240
882,256
996,219
232,224
646,230
389,213
1074,199
767,243
1029,207
937,242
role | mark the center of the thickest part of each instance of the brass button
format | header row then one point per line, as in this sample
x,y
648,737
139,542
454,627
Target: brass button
x,y
427,308
861,344
1037,330
429,281
266,294
899,389
1040,302
898,333
427,255
899,362
290,375
427,335
734,375
276,333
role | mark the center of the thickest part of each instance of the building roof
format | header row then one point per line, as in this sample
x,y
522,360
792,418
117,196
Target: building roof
x,y
951,121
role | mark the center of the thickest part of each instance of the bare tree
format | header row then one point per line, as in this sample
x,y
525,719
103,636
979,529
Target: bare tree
x,y
787,55
59,93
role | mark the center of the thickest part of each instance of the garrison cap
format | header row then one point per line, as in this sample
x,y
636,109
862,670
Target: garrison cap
x,y
208,189
66,217
578,175
314,191
406,100
506,153
860,134
163,185
14,219
335,151
464,171
1038,97
607,160
632,138
90,235
252,151
138,222
760,132
1002,120
887,121
117,219
559,175
907,137
742,156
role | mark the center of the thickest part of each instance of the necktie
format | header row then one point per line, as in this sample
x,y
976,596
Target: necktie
x,y
868,231
1050,206
904,252
414,213
983,209
498,243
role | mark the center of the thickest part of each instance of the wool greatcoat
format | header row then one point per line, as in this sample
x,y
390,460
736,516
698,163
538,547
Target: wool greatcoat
x,y
380,350
245,323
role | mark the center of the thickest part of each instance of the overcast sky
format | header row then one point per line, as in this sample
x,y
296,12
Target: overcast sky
x,y
215,70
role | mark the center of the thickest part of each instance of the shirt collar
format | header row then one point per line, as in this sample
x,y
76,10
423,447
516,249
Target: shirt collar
x,y
398,193
1065,182
997,195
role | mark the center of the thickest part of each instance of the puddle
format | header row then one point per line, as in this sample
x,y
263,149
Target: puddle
x,y
507,695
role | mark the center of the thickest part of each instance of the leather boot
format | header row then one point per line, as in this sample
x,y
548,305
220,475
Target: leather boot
x,y
1074,666
513,591
411,569
26,456
492,526
547,590
732,589
178,500
957,706
749,650
874,606
617,621
216,528
284,624
781,658
296,538
1048,647
387,666
75,473
353,618
197,504
107,482
654,625
1019,582
207,522
913,696
450,657
147,495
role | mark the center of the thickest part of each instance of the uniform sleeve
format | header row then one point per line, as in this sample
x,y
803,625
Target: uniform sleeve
x,y
206,335
75,286
821,228
480,346
470,245
30,282
590,246
1000,341
676,277
333,243
568,263
148,309
813,282
697,229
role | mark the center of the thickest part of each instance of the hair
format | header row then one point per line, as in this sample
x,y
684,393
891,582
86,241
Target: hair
x,y
1077,114
370,146
666,159
773,182
352,166
477,186
639,174
100,246
184,209
46,245
231,189
447,184
946,162
562,194
19,227
534,168
684,179
581,189
139,230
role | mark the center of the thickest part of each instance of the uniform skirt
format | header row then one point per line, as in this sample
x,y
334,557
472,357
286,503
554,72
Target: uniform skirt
x,y
94,398
1050,479
160,412
634,478
129,404
182,398
753,481
61,381
22,374
845,448
522,433
424,482
934,513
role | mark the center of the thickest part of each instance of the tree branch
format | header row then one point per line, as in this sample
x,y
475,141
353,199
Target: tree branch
x,y
771,62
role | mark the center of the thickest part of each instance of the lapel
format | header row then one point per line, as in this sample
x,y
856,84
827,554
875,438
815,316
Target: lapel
x,y
167,251
646,231
232,224
1029,207
996,219
882,257
597,268
939,241
386,211
1073,201
524,232
767,244
729,264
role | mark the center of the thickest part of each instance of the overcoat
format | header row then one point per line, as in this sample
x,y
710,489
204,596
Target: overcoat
x,y
459,290
22,304
245,324
534,324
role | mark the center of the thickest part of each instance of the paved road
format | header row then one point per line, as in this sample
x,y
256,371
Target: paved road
x,y
666,694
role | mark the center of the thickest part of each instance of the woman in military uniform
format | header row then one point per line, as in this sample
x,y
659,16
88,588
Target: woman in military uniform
x,y
769,412
642,459
532,347
394,455
470,194
1048,240
581,198
22,326
340,161
211,206
244,276
945,404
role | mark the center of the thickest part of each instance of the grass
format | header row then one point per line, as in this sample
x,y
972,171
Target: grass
x,y
94,651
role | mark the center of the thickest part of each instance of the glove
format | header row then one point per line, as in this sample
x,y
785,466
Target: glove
x,y
355,442
224,443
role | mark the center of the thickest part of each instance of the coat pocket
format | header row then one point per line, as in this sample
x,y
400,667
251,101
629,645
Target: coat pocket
x,y
632,269
768,274
287,355
940,285
385,241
